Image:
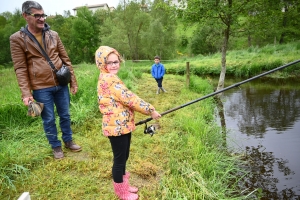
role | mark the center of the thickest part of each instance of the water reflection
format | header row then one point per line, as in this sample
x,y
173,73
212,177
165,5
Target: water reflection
x,y
263,117
263,165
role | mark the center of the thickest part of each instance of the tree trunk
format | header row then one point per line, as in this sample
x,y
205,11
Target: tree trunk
x,y
284,24
223,62
249,40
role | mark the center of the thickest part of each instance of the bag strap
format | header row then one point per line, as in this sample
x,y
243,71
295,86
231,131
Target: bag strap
x,y
43,51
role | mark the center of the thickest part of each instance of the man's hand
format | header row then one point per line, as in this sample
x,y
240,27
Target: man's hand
x,y
74,90
27,99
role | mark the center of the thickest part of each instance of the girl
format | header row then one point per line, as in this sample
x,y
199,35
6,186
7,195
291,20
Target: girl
x,y
117,104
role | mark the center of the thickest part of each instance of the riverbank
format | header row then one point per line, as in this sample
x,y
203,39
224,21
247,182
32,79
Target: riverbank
x,y
185,159
239,63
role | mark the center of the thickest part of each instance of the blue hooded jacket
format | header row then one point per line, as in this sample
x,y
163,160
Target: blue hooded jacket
x,y
158,70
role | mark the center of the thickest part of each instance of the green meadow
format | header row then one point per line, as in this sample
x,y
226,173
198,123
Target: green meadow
x,y
239,63
185,159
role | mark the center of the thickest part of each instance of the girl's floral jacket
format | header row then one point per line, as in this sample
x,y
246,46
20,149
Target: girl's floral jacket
x,y
116,102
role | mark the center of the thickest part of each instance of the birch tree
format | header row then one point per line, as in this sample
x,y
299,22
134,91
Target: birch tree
x,y
226,13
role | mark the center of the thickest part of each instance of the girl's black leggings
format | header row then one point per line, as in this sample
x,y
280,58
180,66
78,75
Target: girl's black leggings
x,y
120,146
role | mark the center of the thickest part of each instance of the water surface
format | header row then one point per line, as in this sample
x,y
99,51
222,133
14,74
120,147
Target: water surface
x,y
263,119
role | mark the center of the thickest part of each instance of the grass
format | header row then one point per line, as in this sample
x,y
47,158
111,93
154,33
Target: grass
x,y
185,159
239,63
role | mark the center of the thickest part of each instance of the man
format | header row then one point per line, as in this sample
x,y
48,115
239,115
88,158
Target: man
x,y
36,79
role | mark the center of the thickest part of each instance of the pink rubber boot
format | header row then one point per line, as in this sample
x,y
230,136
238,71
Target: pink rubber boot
x,y
126,181
121,190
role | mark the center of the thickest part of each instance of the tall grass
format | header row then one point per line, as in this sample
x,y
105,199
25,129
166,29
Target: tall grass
x,y
186,159
199,161
15,127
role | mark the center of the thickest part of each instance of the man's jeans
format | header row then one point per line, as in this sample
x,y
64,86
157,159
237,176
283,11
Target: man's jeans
x,y
59,96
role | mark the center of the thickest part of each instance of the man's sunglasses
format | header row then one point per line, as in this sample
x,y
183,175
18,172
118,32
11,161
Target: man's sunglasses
x,y
38,16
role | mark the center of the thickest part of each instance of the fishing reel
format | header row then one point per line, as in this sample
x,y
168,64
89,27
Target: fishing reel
x,y
149,129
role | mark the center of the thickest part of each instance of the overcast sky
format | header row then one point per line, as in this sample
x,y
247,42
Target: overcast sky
x,y
51,7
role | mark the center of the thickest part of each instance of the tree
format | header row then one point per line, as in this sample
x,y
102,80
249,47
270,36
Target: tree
x,y
268,21
140,31
290,19
112,33
14,22
206,39
84,38
226,13
261,24
2,21
135,22
160,39
124,28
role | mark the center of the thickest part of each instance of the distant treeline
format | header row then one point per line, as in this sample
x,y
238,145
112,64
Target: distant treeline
x,y
158,28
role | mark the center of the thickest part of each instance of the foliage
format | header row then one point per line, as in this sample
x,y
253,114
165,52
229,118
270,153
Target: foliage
x,y
84,36
206,40
184,41
160,37
2,21
140,32
240,63
10,24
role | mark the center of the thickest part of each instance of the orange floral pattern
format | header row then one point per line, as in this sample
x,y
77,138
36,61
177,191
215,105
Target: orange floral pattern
x,y
116,102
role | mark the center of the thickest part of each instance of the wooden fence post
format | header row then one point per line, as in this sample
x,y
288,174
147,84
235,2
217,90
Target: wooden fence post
x,y
187,74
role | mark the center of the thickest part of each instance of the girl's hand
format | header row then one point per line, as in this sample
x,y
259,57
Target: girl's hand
x,y
155,115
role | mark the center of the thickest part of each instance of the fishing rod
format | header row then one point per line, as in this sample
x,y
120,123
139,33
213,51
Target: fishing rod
x,y
151,129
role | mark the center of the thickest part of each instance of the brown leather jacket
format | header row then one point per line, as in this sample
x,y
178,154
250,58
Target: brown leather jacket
x,y
31,67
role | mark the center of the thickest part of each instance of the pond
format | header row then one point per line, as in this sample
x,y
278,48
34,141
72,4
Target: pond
x,y
262,118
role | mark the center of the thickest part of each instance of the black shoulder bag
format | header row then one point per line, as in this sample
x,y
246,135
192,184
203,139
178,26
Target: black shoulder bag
x,y
63,75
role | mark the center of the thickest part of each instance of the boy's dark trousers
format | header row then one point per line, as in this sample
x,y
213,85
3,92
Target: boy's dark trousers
x,y
159,82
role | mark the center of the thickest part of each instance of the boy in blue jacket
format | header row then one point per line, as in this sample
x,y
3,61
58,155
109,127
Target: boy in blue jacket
x,y
158,72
